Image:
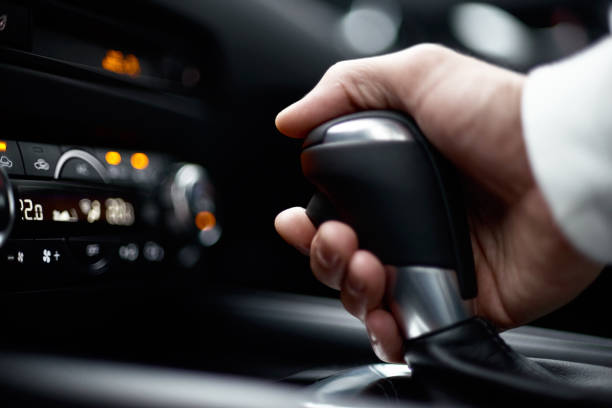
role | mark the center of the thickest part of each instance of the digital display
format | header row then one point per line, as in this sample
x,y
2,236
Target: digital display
x,y
72,207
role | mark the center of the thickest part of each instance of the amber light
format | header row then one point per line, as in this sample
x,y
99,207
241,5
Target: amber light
x,y
139,161
205,220
118,63
2,146
113,158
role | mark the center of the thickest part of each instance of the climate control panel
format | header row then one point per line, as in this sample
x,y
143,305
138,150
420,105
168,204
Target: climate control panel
x,y
72,213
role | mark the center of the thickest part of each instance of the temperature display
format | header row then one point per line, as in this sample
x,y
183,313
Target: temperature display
x,y
31,211
65,206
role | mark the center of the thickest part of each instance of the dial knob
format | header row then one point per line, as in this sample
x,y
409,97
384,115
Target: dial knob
x,y
190,196
7,206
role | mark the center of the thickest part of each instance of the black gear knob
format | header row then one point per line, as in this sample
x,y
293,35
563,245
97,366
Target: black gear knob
x,y
375,171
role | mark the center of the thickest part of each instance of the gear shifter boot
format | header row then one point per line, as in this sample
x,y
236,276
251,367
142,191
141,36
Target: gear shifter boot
x,y
470,363
376,172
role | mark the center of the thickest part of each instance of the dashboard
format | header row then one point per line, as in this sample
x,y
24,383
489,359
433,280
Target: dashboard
x,y
143,171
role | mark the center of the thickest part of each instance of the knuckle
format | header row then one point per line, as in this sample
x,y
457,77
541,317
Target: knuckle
x,y
340,68
429,50
424,56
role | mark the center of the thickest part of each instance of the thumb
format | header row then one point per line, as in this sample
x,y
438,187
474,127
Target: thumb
x,y
385,82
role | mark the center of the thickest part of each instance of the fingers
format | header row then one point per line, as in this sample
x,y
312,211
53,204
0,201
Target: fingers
x,y
346,87
385,336
294,226
363,287
331,250
336,261
389,81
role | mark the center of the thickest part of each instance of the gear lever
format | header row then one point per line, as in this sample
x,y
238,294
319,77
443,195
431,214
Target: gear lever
x,y
375,171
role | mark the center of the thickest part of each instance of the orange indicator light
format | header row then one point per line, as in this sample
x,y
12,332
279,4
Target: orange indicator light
x,y
205,220
139,161
113,158
118,63
2,146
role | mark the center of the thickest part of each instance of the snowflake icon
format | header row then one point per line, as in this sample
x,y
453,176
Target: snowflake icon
x,y
46,256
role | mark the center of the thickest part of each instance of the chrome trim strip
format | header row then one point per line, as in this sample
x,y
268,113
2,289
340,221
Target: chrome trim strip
x,y
424,299
368,129
83,155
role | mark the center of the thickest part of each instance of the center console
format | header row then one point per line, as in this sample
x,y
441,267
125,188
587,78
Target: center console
x,y
73,213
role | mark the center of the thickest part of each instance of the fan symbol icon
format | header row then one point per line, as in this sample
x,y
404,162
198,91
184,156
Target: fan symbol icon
x,y
46,256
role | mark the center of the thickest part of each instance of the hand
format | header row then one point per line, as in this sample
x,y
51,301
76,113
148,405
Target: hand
x,y
470,111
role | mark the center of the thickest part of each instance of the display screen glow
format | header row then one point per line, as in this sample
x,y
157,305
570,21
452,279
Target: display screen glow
x,y
118,63
69,207
30,211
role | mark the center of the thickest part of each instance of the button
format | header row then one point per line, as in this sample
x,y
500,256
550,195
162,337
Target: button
x,y
79,169
92,254
17,253
128,252
39,159
16,258
10,158
14,26
153,252
50,254
119,171
151,173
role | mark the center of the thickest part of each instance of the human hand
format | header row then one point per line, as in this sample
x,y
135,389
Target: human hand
x,y
471,112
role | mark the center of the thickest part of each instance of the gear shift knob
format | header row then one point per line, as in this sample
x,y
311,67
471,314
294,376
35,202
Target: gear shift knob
x,y
376,172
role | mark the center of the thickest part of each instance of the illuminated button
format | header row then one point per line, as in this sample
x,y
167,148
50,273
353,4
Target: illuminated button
x,y
39,159
113,158
16,260
205,220
17,253
131,65
117,173
50,255
139,161
152,173
115,61
129,252
10,158
153,252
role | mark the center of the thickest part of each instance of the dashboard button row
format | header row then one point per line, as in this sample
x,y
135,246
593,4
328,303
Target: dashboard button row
x,y
80,163
93,256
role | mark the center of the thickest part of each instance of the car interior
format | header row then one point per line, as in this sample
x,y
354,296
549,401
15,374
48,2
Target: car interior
x,y
141,172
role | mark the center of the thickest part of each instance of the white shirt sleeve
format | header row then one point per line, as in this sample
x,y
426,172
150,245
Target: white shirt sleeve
x,y
567,125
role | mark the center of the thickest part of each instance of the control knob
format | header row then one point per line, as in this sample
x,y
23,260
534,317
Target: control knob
x,y
7,206
189,197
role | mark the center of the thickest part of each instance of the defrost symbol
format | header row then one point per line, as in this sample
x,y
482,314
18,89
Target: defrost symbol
x,y
42,165
5,162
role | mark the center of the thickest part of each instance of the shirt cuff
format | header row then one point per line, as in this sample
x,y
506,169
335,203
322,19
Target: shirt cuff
x,y
567,124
